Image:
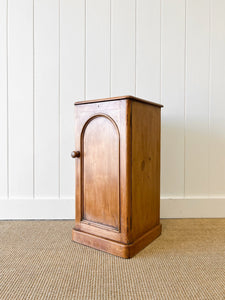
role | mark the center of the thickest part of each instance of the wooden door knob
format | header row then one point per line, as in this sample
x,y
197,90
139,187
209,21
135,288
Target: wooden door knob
x,y
75,154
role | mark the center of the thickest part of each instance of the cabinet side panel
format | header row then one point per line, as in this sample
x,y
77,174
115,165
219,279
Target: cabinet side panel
x,y
145,168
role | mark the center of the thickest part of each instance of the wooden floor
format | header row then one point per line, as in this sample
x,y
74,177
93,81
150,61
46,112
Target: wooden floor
x,y
38,260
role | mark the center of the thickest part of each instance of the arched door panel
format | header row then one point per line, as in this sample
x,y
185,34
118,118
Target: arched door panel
x,y
100,144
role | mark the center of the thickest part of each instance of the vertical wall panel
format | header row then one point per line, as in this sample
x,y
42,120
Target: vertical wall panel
x,y
46,43
20,84
217,100
123,47
197,99
173,76
3,100
55,52
72,18
97,48
148,49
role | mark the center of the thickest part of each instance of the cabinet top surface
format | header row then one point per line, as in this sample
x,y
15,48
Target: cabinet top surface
x,y
117,99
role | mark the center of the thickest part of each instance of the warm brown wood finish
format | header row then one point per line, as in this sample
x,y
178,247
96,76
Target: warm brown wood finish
x,y
100,144
75,154
119,98
117,174
145,168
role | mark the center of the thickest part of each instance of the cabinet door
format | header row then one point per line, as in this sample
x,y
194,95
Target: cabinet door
x,y
101,170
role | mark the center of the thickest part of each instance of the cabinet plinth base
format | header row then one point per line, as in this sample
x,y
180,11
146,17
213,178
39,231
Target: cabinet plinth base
x,y
116,248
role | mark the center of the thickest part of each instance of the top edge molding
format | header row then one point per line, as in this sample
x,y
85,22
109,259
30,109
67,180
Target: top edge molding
x,y
117,99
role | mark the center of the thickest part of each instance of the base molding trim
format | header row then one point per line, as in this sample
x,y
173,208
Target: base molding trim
x,y
192,207
116,248
37,209
64,208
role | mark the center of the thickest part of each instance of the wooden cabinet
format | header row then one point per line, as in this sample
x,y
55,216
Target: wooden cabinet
x,y
117,174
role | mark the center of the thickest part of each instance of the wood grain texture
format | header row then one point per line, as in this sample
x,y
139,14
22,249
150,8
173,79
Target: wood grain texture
x,y
115,248
100,148
84,113
145,168
118,98
117,174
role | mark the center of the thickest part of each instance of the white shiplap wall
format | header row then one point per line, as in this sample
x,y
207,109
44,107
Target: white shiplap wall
x,y
55,52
